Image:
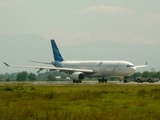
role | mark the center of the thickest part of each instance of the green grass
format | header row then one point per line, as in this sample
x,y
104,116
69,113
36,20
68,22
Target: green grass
x,y
79,102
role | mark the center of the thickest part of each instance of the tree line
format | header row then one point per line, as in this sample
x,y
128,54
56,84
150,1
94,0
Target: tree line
x,y
25,76
146,74
55,75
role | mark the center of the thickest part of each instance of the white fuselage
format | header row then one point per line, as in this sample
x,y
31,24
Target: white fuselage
x,y
102,68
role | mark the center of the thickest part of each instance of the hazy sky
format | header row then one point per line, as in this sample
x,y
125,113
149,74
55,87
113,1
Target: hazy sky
x,y
72,21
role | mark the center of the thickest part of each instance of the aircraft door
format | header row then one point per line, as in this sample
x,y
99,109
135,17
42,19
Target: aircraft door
x,y
119,68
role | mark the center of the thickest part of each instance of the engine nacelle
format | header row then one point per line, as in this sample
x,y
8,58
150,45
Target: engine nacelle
x,y
78,76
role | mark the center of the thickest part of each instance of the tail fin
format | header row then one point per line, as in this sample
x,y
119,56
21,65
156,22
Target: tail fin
x,y
56,53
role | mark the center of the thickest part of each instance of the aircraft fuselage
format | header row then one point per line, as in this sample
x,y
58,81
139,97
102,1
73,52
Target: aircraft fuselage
x,y
102,68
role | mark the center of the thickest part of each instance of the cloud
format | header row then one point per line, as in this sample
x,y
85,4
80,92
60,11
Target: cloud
x,y
150,20
69,39
129,37
103,9
153,18
10,3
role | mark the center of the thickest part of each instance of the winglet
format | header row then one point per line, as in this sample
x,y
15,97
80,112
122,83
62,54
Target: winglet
x,y
6,64
146,63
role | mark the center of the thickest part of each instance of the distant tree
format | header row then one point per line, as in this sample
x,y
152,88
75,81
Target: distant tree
x,y
32,77
158,74
18,77
1,76
7,80
51,77
13,76
137,74
42,76
145,74
63,75
22,76
6,75
152,74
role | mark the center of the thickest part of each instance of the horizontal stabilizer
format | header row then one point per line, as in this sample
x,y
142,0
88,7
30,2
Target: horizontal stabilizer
x,y
41,62
140,66
6,64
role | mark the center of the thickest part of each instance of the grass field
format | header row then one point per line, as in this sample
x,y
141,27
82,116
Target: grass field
x,y
79,102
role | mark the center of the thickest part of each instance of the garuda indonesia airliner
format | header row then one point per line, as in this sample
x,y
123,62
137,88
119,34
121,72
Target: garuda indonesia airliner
x,y
78,70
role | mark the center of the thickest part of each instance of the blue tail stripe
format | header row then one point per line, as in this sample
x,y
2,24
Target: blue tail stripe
x,y
56,53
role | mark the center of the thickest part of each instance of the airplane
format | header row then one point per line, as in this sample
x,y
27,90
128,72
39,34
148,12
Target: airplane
x,y
78,70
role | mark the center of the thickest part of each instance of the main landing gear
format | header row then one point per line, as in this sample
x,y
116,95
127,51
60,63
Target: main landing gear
x,y
77,81
102,80
125,79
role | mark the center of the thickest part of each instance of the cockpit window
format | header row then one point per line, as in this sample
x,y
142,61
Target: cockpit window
x,y
130,65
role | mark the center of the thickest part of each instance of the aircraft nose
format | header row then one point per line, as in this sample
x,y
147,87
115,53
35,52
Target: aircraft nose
x,y
134,69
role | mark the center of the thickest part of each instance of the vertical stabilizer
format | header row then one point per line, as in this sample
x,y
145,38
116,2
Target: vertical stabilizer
x,y
56,53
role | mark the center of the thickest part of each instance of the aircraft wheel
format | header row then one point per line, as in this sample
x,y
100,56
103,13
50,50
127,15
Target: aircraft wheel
x,y
149,80
138,80
125,81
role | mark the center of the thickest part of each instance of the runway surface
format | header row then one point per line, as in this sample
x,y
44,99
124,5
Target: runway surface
x,y
71,82
89,82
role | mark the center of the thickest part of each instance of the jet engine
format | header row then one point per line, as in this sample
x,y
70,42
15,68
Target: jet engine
x,y
78,76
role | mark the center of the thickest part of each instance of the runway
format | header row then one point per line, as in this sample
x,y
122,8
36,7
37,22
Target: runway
x,y
83,82
89,82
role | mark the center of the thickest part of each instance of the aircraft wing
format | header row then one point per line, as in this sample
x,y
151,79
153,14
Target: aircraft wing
x,y
140,66
53,68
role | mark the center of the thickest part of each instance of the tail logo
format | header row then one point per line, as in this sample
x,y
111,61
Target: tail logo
x,y
56,53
